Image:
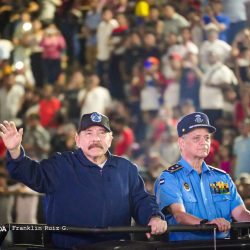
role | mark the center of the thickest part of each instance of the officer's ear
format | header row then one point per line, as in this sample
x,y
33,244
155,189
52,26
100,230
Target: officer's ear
x,y
180,141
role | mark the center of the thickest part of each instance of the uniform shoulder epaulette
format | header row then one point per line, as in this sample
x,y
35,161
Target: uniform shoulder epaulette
x,y
174,168
218,169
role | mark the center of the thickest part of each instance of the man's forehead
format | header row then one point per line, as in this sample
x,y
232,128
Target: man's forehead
x,y
95,128
199,131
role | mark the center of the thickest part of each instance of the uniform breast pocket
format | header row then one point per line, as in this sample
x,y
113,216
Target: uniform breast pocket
x,y
222,205
190,202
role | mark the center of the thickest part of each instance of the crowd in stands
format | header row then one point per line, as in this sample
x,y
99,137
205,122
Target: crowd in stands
x,y
143,63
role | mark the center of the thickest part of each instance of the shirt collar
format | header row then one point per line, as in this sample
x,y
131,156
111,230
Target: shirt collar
x,y
189,168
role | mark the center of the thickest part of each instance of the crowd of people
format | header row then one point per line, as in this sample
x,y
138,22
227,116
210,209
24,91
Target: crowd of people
x,y
143,63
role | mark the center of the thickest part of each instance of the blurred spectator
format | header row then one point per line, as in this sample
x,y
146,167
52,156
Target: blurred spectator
x,y
226,121
133,56
150,94
91,22
104,31
173,72
21,53
153,167
156,127
48,10
68,20
217,78
6,47
196,27
167,147
2,150
188,44
64,138
21,32
213,43
241,42
190,80
33,41
212,158
214,15
153,22
11,94
94,97
123,136
116,66
136,84
36,139
242,64
243,185
75,85
186,107
29,102
173,50
228,137
26,205
242,106
49,106
241,149
141,11
53,45
235,10
171,44
6,9
225,159
173,21
150,47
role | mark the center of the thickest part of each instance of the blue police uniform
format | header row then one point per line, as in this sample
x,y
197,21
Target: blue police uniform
x,y
210,195
80,193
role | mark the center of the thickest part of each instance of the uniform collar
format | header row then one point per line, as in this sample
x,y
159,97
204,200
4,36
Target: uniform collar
x,y
189,168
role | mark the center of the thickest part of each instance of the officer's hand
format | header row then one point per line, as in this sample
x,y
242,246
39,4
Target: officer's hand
x,y
158,226
222,224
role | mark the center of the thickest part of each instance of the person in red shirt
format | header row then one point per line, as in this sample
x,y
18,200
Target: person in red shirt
x,y
242,106
212,158
124,136
49,106
2,149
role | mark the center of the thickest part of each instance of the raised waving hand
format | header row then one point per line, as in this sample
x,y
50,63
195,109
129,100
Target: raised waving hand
x,y
12,137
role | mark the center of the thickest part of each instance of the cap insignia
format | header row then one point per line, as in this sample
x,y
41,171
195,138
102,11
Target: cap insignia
x,y
198,119
95,117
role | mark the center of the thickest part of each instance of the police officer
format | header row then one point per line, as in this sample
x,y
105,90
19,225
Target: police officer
x,y
88,187
191,192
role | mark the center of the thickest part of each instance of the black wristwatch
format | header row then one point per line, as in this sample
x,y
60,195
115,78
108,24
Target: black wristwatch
x,y
204,221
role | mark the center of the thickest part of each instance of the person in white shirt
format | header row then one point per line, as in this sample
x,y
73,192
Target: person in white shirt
x,y
217,78
212,43
94,97
104,31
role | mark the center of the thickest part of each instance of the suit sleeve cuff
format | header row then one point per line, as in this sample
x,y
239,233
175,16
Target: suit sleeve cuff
x,y
20,157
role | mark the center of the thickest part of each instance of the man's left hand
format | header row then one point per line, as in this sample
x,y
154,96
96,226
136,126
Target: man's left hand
x,y
158,226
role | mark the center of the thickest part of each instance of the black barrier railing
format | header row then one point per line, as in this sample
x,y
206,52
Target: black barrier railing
x,y
133,229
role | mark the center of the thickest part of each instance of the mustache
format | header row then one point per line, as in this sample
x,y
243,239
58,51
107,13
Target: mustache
x,y
95,145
